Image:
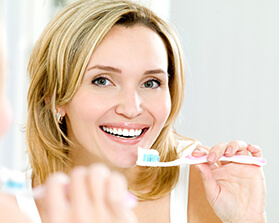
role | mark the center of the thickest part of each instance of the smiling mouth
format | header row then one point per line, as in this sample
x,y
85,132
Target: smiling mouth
x,y
124,133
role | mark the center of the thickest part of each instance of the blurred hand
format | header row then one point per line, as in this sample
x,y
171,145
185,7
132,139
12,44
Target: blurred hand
x,y
92,194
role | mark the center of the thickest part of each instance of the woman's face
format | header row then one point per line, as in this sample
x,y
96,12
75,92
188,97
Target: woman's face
x,y
124,100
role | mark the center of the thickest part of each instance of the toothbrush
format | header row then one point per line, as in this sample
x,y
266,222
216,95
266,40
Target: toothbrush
x,y
150,157
13,182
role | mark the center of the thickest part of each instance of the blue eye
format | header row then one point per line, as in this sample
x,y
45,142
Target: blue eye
x,y
101,81
152,84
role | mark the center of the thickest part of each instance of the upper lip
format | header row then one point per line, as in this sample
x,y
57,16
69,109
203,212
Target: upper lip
x,y
126,125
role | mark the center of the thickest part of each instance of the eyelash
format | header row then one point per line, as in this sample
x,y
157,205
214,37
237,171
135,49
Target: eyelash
x,y
99,78
158,82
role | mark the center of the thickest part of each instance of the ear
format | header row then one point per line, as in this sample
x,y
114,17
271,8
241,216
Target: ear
x,y
60,114
62,110
47,100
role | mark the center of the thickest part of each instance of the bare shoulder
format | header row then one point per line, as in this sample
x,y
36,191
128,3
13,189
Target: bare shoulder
x,y
8,200
199,209
10,211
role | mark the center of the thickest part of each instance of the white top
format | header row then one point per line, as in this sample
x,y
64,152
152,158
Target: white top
x,y
179,195
178,198
27,203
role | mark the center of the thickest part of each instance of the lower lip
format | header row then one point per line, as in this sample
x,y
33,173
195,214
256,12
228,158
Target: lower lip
x,y
131,141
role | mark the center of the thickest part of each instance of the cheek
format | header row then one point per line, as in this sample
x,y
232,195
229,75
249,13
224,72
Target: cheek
x,y
167,107
161,107
86,108
82,114
79,113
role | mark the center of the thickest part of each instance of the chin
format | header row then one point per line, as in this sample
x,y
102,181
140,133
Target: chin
x,y
120,163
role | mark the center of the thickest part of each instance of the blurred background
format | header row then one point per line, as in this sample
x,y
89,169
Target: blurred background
x,y
232,91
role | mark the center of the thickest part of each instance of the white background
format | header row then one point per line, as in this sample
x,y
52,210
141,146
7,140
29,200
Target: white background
x,y
232,91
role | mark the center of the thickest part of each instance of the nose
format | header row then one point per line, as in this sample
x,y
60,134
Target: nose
x,y
130,104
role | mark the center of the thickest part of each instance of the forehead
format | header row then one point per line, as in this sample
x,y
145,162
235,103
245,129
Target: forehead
x,y
139,30
131,43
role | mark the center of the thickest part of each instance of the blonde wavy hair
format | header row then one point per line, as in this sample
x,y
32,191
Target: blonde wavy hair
x,y
56,68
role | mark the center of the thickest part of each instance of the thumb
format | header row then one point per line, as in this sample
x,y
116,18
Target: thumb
x,y
211,187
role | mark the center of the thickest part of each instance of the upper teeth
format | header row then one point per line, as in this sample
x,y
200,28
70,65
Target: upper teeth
x,y
123,132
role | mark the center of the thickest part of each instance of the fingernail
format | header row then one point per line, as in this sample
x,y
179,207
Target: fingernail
x,y
196,151
211,157
229,150
39,192
131,200
64,179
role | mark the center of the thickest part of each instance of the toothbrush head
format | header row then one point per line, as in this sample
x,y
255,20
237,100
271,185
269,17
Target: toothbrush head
x,y
150,157
12,181
147,156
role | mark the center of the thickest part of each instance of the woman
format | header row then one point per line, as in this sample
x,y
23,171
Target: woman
x,y
107,77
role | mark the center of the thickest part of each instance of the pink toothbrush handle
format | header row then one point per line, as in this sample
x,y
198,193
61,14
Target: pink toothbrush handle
x,y
259,161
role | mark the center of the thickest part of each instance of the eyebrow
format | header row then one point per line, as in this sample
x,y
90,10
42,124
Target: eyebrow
x,y
106,68
157,71
116,70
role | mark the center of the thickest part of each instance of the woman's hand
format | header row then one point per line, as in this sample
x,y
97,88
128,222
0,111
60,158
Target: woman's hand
x,y
91,194
235,191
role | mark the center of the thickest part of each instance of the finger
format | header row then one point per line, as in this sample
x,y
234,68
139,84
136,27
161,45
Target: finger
x,y
216,152
236,147
255,150
55,197
210,185
78,192
200,150
119,200
115,196
97,184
